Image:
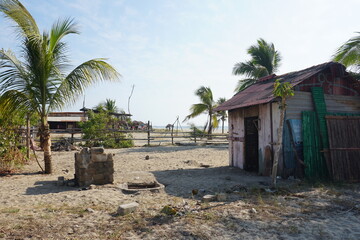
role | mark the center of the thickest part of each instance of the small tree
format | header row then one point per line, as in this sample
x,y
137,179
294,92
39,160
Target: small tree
x,y
282,90
97,132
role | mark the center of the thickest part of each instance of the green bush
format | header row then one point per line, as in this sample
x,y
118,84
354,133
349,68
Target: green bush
x,y
12,153
99,131
196,132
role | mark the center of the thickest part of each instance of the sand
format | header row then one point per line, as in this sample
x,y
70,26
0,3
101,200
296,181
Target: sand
x,y
32,206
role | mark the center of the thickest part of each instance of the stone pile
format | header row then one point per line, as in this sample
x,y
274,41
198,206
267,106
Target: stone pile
x,y
93,166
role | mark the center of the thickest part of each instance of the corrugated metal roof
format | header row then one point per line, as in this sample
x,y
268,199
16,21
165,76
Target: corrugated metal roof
x,y
261,91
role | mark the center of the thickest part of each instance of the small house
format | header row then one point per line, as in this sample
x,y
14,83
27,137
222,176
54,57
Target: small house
x,y
66,120
321,135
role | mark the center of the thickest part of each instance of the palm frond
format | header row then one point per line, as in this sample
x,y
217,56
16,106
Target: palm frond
x,y
59,30
25,23
243,84
14,101
215,121
205,95
196,110
13,74
79,79
244,68
349,53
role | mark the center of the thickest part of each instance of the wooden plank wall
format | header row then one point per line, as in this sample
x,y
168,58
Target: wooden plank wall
x,y
237,134
236,138
344,147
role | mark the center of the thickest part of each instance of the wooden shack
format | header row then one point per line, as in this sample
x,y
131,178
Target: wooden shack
x,y
322,93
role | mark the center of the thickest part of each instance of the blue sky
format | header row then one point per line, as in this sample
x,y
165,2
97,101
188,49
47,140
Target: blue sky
x,y
168,49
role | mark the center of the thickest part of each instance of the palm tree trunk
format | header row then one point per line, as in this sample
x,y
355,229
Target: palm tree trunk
x,y
45,133
210,126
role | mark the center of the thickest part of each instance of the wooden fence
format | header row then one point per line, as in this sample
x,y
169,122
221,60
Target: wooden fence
x,y
150,137
343,158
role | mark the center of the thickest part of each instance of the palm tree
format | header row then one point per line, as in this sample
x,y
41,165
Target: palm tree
x,y
264,61
108,106
349,53
37,82
206,105
222,114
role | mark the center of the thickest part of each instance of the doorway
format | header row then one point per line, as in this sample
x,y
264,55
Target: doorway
x,y
251,144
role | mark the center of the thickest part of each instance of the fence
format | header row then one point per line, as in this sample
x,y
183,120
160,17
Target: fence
x,y
151,137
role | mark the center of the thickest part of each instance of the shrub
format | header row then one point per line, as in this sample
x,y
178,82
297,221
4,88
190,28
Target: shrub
x,y
12,154
196,132
99,131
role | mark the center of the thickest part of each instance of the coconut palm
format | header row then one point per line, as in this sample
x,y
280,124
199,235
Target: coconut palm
x,y
221,114
349,53
206,105
264,61
109,106
37,82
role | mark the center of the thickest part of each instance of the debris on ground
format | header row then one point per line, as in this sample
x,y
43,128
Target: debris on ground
x,y
127,208
169,210
64,144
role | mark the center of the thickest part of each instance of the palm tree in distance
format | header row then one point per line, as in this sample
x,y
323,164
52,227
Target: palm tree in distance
x,y
206,105
222,114
37,82
349,54
109,106
264,61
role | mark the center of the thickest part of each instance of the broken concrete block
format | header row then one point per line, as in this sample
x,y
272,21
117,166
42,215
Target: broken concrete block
x,y
61,181
97,150
209,198
127,208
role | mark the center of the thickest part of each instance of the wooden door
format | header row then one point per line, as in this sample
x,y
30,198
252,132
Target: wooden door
x,y
251,144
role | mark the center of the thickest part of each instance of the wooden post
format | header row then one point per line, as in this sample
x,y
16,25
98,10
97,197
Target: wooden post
x,y
148,133
72,136
172,134
27,136
194,134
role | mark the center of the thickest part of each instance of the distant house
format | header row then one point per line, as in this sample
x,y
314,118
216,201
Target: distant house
x,y
66,120
321,129
70,120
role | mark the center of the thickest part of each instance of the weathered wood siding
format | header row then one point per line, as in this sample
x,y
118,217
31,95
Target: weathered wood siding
x,y
237,132
236,138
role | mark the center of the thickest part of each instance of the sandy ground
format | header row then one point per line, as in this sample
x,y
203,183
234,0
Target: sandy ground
x,y
32,206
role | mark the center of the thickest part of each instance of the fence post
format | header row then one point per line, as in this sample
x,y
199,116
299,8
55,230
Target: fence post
x,y
172,134
72,136
148,133
194,134
27,137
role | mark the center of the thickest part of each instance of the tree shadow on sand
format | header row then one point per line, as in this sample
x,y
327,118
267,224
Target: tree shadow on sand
x,y
47,187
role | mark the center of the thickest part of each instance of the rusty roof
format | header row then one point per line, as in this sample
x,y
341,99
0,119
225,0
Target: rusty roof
x,y
261,91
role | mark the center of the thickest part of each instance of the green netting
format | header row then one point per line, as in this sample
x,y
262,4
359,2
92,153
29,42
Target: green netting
x,y
320,109
315,166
